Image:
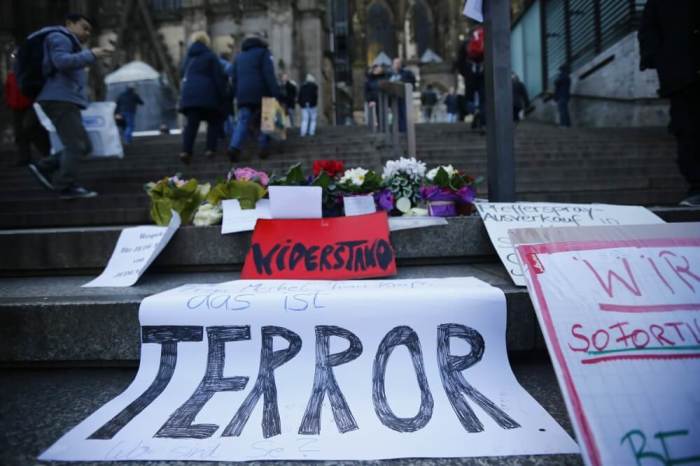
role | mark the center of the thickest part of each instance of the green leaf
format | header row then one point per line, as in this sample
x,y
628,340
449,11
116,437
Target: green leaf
x,y
442,178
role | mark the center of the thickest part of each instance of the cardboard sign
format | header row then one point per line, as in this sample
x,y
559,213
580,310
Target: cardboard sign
x,y
500,217
620,311
327,248
296,201
136,249
319,370
359,205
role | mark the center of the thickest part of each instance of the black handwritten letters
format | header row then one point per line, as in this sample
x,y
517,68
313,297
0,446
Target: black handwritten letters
x,y
180,422
352,256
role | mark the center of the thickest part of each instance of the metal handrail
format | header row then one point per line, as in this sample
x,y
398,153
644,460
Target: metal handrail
x,y
391,95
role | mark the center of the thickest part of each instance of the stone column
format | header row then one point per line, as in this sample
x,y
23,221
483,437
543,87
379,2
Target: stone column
x,y
281,36
311,43
194,18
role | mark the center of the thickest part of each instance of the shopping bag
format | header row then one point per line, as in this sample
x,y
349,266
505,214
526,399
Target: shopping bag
x,y
272,119
98,120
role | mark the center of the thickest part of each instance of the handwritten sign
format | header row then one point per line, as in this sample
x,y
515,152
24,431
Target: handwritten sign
x,y
359,205
499,217
237,219
136,249
328,248
620,311
314,370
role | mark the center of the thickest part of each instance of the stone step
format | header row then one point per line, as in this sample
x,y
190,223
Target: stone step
x,y
40,405
52,319
87,249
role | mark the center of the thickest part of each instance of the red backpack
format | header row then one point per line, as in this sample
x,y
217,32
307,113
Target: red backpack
x,y
475,48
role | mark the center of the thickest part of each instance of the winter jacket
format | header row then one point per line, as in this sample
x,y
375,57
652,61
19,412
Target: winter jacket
x,y
13,96
669,41
289,94
204,83
308,94
405,76
253,74
521,100
372,86
128,101
452,103
64,68
428,98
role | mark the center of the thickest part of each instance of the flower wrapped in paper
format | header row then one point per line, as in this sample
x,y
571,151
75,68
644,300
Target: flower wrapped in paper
x,y
247,185
174,193
448,192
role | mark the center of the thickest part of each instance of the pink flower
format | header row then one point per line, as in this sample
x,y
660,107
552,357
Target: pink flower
x,y
250,174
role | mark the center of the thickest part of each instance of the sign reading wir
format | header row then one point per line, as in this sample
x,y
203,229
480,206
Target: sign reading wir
x,y
348,370
620,312
324,248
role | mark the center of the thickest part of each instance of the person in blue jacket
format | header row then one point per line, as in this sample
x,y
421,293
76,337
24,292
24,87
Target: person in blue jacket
x,y
127,103
252,78
202,95
62,97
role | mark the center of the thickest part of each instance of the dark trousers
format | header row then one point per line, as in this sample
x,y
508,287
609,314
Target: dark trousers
x,y
564,118
28,132
66,118
194,117
685,125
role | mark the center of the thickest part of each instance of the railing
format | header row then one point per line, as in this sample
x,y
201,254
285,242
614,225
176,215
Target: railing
x,y
392,95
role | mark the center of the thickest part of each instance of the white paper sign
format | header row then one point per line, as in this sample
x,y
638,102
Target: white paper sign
x,y
499,217
359,205
620,312
295,201
313,370
136,249
474,9
237,219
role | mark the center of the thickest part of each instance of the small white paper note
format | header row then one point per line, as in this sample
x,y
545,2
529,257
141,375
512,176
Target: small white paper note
x,y
359,205
136,249
295,201
473,9
409,222
237,219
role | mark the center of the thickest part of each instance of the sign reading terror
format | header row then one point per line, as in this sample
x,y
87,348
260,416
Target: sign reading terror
x,y
620,311
324,248
348,370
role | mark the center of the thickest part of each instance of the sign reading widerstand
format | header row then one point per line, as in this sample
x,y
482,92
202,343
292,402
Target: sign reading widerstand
x,y
314,370
620,311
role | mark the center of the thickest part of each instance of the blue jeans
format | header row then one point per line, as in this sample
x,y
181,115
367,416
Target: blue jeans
x,y
246,119
128,126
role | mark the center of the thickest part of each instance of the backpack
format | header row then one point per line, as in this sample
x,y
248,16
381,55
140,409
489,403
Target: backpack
x,y
475,48
30,59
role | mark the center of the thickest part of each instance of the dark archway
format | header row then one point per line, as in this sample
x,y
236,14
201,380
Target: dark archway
x,y
381,34
422,27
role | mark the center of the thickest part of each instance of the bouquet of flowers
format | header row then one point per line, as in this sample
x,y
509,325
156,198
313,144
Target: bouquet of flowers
x,y
245,184
182,196
448,192
326,174
357,181
403,178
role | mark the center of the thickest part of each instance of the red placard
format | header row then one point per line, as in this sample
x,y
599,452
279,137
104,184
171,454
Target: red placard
x,y
321,248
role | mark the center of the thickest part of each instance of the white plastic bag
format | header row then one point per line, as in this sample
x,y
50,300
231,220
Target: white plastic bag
x,y
98,120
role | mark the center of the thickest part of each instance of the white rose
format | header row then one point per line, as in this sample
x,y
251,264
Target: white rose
x,y
207,214
355,176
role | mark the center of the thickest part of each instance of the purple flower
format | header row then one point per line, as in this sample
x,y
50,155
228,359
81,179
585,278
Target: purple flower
x,y
384,199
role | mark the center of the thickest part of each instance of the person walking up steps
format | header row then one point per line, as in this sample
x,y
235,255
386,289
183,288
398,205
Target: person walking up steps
x,y
203,96
252,78
308,99
127,104
62,96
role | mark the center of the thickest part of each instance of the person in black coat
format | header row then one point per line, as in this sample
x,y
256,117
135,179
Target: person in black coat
x,y
403,75
428,100
289,96
562,94
127,103
202,95
374,77
521,100
308,100
252,78
669,41
452,105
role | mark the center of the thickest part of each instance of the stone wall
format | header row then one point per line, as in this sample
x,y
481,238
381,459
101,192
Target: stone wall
x,y
614,94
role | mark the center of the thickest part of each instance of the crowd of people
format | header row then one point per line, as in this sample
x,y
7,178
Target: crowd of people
x,y
49,69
